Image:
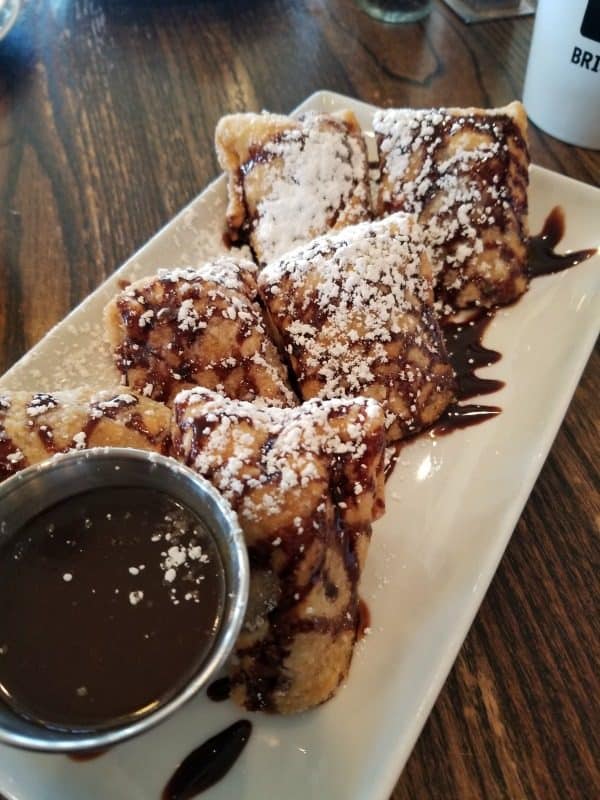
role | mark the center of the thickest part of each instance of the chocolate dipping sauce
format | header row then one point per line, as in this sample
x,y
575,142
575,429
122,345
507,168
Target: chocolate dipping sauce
x,y
109,603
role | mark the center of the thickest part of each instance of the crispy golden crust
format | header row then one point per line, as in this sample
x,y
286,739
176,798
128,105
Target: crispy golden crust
x,y
236,138
306,483
35,426
354,312
193,327
291,180
465,173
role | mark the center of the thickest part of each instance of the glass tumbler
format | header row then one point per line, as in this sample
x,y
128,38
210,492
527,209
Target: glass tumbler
x,y
396,10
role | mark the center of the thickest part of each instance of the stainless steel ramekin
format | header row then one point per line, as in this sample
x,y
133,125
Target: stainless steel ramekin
x,y
35,489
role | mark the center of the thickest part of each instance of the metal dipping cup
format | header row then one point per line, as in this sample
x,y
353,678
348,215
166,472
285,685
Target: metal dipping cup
x,y
28,493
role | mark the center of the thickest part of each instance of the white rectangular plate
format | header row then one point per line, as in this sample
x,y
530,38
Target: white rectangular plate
x,y
452,506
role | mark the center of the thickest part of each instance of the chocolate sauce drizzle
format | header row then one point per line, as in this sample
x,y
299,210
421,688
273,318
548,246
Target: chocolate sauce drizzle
x,y
542,258
219,690
161,355
210,762
86,755
467,353
464,341
464,345
42,409
109,408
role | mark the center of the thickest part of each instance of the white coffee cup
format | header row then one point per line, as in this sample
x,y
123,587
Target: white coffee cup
x,y
562,84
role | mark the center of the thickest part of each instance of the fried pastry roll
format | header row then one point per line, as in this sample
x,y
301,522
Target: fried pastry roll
x,y
354,312
188,327
292,179
464,172
306,483
34,427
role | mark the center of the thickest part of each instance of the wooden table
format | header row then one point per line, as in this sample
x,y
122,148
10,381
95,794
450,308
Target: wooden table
x,y
107,113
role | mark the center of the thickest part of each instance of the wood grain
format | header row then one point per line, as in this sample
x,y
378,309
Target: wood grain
x,y
107,113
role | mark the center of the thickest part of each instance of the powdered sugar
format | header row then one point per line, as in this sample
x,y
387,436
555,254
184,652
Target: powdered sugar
x,y
317,176
349,308
39,404
451,167
187,335
233,456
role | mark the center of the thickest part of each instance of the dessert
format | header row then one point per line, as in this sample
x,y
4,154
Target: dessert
x,y
306,483
292,179
464,172
187,327
354,312
34,426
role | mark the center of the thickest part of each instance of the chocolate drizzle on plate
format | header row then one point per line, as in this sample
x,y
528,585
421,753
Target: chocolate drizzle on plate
x,y
219,690
210,762
542,258
464,340
86,755
467,353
